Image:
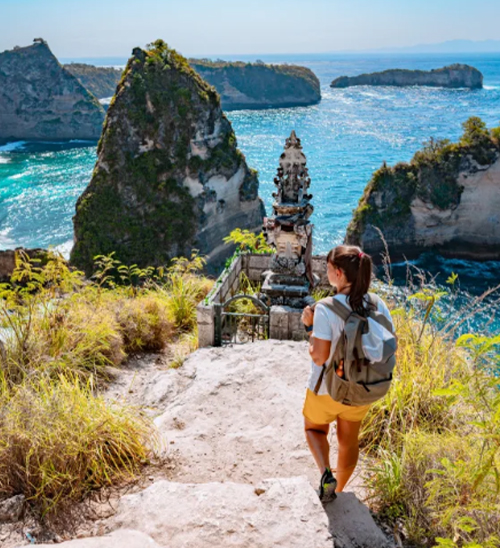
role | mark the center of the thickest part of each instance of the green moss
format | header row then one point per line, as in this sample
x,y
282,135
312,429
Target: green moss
x,y
432,176
136,204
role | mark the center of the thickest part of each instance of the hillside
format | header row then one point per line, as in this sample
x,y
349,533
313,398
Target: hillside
x,y
257,85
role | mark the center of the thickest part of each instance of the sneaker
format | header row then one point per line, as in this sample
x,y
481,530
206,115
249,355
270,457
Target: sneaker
x,y
327,487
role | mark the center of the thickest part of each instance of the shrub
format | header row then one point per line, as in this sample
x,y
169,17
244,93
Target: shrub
x,y
58,442
144,323
435,438
183,289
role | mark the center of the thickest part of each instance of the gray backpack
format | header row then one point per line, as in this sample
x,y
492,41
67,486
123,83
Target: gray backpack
x,y
360,371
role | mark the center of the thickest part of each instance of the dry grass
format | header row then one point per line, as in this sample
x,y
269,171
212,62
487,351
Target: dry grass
x,y
59,441
435,437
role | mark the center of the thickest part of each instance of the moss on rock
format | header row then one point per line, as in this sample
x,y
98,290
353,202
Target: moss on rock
x,y
164,135
432,176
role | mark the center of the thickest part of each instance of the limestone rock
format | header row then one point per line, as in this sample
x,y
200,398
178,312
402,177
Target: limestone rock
x,y
122,538
101,81
247,398
453,76
352,525
286,513
169,176
447,199
40,100
8,260
12,508
257,85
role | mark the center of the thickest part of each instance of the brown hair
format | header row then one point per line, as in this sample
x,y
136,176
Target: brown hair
x,y
357,267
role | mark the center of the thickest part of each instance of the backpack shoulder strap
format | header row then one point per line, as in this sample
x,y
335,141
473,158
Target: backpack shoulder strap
x,y
337,307
379,317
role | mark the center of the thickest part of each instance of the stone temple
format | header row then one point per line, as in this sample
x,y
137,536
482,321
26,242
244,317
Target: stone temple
x,y
289,230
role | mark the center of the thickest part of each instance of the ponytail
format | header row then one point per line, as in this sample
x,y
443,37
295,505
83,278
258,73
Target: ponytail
x,y
357,267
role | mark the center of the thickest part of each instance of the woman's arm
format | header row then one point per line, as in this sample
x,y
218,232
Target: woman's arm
x,y
319,349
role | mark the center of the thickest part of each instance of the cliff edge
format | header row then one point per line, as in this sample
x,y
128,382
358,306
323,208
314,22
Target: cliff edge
x,y
258,85
40,100
169,176
101,81
446,199
452,76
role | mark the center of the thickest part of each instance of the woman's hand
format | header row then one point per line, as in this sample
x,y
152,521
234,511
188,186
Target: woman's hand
x,y
308,316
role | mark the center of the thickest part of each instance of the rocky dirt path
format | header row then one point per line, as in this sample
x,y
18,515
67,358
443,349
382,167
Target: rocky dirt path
x,y
240,473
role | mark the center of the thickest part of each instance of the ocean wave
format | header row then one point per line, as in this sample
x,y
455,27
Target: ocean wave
x,y
9,147
64,249
4,160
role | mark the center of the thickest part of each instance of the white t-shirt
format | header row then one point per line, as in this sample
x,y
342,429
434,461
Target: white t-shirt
x,y
328,327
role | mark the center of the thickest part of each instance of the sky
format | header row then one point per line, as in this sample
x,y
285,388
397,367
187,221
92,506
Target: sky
x,y
101,28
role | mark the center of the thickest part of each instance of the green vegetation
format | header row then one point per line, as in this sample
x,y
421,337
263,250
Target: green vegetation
x,y
435,438
100,81
249,242
59,439
136,204
431,175
265,84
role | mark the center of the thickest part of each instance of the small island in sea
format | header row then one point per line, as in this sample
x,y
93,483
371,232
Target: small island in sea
x,y
452,76
258,85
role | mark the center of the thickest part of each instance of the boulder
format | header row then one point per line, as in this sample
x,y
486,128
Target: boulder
x,y
352,525
12,509
276,512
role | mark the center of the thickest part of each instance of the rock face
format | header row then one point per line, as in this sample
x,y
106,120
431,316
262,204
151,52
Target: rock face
x,y
40,100
100,81
257,85
169,176
453,76
447,199
8,260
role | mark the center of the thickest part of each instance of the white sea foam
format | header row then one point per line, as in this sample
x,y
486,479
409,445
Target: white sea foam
x,y
4,160
491,87
9,147
65,248
105,100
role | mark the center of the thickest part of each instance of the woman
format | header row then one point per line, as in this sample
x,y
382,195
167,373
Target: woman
x,y
350,271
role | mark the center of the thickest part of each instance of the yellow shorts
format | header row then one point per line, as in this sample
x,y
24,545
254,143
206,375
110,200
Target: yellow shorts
x,y
324,410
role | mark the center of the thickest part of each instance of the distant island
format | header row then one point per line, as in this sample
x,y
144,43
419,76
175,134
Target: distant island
x,y
452,76
258,85
101,81
41,100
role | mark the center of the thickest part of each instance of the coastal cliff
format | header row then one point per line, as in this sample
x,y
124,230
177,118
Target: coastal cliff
x,y
169,176
257,85
453,76
40,100
100,81
447,199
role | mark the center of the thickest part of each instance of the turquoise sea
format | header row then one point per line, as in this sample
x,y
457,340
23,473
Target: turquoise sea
x,y
345,138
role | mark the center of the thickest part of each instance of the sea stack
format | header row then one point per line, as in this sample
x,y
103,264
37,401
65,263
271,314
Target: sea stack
x,y
40,100
169,177
447,199
452,76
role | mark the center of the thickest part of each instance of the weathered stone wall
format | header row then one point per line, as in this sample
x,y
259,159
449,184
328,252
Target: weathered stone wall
x,y
284,321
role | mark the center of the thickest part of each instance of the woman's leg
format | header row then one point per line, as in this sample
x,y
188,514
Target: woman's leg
x,y
347,435
317,439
